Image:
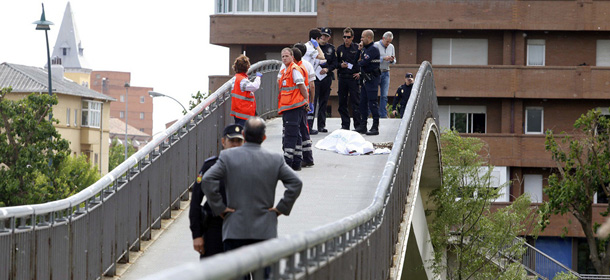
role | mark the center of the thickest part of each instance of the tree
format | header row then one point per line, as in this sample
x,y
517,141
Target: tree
x,y
197,99
73,175
582,169
469,238
29,146
117,153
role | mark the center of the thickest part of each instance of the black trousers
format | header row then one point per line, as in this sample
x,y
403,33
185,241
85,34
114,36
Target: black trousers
x,y
368,99
232,244
349,93
212,238
321,100
295,131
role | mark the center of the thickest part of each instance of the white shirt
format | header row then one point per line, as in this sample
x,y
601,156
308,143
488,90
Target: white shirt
x,y
383,52
246,85
311,54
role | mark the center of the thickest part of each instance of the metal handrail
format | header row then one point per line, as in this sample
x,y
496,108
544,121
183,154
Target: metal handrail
x,y
125,166
305,253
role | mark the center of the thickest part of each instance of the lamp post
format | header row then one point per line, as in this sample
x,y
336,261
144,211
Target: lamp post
x,y
43,24
158,94
126,93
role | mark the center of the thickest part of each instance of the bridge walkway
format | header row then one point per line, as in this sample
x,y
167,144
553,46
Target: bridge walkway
x,y
336,187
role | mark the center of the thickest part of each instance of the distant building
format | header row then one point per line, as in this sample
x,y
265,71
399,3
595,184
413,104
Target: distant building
x,y
139,106
83,113
138,138
68,51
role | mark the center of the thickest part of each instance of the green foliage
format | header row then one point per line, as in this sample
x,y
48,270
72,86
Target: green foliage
x,y
467,235
117,153
35,162
565,276
29,145
197,99
73,175
583,168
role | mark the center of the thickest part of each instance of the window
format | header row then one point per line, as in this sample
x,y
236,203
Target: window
x,y
265,6
500,179
141,115
96,159
122,98
122,114
92,111
274,6
75,117
64,51
532,184
68,117
142,129
602,57
258,5
141,99
464,119
243,5
535,52
600,196
534,120
450,51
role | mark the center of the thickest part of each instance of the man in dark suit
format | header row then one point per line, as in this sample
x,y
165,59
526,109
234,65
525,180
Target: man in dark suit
x,y
250,174
206,228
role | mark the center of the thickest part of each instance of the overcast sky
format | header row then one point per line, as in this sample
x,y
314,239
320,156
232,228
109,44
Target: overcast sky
x,y
164,44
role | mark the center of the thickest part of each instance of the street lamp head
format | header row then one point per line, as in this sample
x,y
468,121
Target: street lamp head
x,y
126,85
43,23
155,94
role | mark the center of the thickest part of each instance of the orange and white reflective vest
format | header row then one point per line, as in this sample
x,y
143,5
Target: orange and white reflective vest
x,y
290,95
243,103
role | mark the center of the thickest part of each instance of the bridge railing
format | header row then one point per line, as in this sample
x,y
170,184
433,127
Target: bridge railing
x,y
359,246
85,235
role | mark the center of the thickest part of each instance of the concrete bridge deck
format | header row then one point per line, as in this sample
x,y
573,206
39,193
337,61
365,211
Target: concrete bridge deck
x,y
337,186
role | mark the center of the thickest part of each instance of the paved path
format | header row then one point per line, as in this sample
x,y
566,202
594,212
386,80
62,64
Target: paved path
x,y
335,187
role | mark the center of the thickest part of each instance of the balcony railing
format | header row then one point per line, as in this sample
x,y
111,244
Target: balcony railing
x,y
266,7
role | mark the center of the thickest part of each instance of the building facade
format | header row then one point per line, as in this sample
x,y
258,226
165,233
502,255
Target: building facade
x,y
505,71
139,103
83,113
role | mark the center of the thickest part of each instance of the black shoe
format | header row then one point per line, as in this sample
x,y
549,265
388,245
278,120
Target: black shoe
x,y
296,167
345,128
324,130
313,132
306,164
361,129
373,131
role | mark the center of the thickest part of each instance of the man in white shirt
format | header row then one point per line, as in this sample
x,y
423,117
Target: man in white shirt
x,y
387,56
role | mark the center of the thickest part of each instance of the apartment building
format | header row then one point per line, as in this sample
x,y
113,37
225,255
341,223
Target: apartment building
x,y
505,71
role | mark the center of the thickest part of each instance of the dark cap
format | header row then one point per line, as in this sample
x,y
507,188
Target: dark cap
x,y
409,75
233,131
326,31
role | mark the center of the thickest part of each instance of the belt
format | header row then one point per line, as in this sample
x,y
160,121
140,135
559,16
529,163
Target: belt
x,y
346,76
384,70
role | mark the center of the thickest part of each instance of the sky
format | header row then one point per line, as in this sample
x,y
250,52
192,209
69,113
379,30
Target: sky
x,y
164,44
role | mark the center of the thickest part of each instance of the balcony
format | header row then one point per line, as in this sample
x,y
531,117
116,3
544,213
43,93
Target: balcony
x,y
581,15
501,81
267,7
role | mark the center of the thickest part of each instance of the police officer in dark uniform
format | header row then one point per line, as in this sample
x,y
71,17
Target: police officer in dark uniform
x,y
323,85
348,72
402,95
206,228
370,75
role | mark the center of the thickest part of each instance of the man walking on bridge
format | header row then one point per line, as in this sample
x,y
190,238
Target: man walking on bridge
x,y
251,174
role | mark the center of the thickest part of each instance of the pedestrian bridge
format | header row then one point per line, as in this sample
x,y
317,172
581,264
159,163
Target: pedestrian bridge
x,y
358,217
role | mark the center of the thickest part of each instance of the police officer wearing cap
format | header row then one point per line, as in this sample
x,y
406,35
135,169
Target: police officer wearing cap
x,y
370,77
402,95
206,228
324,79
348,72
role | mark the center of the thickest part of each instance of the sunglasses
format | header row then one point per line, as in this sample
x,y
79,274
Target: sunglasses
x,y
347,37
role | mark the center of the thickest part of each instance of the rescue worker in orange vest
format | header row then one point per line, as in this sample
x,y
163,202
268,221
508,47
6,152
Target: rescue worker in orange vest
x,y
243,103
304,129
293,106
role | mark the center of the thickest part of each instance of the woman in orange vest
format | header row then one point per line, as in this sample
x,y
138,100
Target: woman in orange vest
x,y
243,103
293,106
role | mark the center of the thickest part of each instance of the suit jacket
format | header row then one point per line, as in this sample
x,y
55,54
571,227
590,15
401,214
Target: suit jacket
x,y
250,174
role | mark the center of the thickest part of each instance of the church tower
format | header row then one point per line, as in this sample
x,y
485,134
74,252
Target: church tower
x,y
68,51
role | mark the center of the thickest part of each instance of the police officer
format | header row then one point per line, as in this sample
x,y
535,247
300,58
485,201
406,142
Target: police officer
x,y
324,79
348,72
370,77
402,95
206,228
